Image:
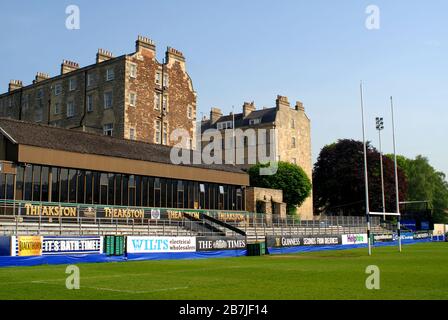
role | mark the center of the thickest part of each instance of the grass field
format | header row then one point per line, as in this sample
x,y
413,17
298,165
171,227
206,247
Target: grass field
x,y
420,272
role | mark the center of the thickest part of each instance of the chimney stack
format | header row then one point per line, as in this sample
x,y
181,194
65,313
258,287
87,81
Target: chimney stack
x,y
172,55
40,76
14,85
103,55
144,44
248,108
299,106
215,114
282,102
68,66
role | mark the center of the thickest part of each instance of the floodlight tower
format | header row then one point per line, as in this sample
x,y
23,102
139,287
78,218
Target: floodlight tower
x,y
380,127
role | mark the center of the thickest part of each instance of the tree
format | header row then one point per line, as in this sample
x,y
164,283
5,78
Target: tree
x,y
426,184
338,180
289,178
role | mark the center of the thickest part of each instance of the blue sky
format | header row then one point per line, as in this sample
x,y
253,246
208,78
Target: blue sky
x,y
313,51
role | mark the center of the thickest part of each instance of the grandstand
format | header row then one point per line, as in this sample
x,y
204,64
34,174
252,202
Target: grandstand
x,y
92,220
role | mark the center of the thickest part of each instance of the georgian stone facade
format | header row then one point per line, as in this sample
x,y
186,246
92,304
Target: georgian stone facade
x,y
293,139
121,96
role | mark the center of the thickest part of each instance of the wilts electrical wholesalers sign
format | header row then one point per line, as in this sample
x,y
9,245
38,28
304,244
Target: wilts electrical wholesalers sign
x,y
160,244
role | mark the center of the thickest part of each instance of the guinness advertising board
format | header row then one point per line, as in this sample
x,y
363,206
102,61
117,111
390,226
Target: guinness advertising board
x,y
296,241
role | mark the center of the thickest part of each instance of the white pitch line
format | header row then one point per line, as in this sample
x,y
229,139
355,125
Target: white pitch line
x,y
132,291
127,275
115,290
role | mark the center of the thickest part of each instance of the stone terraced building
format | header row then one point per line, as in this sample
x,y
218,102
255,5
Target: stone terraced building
x,y
132,96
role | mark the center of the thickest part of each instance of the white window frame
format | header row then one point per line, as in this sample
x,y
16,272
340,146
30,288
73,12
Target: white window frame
x,y
133,70
157,101
89,103
106,106
166,80
57,108
108,127
254,121
26,101
72,84
110,74
165,134
224,125
39,115
157,131
165,103
57,89
40,93
158,79
70,109
190,112
90,79
132,99
132,134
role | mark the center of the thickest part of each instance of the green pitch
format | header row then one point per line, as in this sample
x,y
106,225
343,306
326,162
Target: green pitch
x,y
420,272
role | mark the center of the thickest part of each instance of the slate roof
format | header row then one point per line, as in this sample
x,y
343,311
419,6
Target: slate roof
x,y
265,115
39,135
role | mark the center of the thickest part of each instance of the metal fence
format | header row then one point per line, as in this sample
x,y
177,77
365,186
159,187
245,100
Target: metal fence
x,y
18,217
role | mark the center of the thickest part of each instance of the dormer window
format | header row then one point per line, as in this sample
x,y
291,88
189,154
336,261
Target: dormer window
x,y
224,125
254,121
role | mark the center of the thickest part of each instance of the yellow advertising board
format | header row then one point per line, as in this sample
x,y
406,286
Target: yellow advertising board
x,y
29,245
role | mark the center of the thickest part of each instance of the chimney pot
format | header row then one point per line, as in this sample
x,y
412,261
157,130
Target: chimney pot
x,y
14,85
299,106
215,114
248,108
41,76
144,43
282,101
103,55
68,66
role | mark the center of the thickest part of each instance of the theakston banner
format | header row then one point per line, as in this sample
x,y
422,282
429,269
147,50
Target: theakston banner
x,y
27,246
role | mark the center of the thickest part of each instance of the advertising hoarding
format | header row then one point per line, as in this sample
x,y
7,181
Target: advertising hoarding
x,y
144,244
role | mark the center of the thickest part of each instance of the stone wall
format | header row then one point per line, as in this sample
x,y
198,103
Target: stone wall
x,y
272,199
293,123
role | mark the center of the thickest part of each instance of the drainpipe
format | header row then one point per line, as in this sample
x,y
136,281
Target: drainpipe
x,y
85,102
20,104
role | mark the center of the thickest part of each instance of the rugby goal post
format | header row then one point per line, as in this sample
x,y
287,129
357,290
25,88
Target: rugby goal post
x,y
393,214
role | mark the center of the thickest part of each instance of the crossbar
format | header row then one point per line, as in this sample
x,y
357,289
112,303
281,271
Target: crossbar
x,y
384,213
